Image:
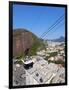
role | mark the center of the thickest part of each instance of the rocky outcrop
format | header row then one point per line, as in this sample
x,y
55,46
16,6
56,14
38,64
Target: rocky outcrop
x,y
22,41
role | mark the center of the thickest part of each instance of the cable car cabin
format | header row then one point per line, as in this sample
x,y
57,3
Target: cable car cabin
x,y
28,64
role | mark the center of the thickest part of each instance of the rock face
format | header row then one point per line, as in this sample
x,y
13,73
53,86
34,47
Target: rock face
x,y
22,41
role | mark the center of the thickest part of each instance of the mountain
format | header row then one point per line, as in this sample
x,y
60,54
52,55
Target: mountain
x,y
60,39
25,42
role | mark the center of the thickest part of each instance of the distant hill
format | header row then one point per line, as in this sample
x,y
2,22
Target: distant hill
x,y
60,39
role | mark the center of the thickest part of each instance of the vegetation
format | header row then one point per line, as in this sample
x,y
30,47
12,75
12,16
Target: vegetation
x,y
19,59
19,62
35,46
47,57
34,49
57,62
20,56
53,54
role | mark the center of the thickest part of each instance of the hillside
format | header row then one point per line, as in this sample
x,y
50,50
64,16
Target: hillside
x,y
25,42
60,39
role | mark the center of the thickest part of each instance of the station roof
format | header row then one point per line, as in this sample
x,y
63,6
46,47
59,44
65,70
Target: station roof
x,y
28,62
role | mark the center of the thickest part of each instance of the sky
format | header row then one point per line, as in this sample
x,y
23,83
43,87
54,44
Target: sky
x,y
38,19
